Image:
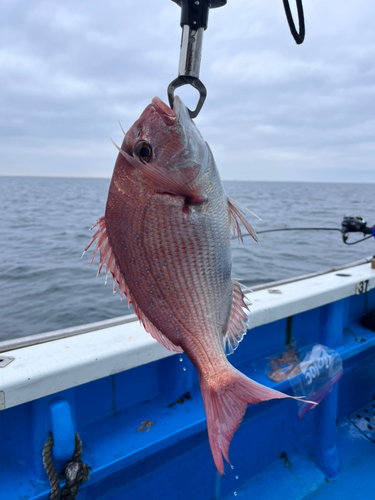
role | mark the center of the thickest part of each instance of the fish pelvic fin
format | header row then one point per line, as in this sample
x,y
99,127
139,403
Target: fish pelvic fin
x,y
225,401
237,327
237,215
108,260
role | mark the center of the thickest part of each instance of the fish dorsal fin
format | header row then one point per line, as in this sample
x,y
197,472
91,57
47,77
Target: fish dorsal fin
x,y
108,260
237,214
238,320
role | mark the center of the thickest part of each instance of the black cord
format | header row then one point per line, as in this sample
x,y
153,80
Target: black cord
x,y
306,229
358,241
292,229
298,229
298,37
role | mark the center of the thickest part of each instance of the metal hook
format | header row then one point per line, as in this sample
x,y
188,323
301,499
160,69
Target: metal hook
x,y
194,82
298,37
194,19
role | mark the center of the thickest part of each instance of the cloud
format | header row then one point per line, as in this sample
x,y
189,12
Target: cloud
x,y
69,72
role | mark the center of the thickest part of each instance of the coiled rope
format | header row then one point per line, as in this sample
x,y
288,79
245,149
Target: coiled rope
x,y
50,469
75,472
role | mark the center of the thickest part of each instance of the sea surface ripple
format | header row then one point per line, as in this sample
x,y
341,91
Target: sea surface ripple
x,y
45,222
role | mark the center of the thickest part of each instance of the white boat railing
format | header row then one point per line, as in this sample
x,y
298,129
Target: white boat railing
x,y
86,355
41,338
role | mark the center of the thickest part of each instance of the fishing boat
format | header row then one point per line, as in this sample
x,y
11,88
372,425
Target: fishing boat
x,y
108,395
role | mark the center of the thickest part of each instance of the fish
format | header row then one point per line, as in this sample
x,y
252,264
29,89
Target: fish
x,y
165,239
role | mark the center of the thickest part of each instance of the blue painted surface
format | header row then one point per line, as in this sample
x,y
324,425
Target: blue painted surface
x,y
173,460
62,428
298,478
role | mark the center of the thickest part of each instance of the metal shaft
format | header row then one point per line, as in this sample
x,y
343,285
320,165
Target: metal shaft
x,y
190,52
194,19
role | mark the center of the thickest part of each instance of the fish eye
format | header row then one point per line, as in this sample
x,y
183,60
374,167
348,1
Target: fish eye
x,y
143,151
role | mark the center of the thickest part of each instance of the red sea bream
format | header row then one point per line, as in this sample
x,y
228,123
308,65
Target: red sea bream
x,y
165,237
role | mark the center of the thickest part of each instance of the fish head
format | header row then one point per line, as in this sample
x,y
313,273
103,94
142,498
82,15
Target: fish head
x,y
152,134
165,152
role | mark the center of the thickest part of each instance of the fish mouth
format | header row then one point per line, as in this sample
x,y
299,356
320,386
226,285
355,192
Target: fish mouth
x,y
165,112
179,113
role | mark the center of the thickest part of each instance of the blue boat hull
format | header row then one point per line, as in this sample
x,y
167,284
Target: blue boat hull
x,y
144,430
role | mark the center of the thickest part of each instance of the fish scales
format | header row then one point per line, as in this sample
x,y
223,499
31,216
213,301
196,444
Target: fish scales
x,y
171,263
165,238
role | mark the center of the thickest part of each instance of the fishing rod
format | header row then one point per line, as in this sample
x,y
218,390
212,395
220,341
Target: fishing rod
x,y
350,224
194,20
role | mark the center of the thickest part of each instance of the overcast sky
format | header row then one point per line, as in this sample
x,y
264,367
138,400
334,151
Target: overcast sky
x,y
70,70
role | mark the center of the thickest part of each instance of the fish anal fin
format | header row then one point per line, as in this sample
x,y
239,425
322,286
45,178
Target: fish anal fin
x,y
107,259
157,334
237,215
238,320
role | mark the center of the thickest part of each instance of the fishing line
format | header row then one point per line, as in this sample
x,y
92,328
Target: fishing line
x,y
275,230
297,229
278,229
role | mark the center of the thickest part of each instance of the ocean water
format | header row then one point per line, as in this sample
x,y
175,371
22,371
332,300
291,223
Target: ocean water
x,y
45,222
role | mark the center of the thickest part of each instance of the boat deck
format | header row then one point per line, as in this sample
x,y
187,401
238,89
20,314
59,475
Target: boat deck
x,y
295,478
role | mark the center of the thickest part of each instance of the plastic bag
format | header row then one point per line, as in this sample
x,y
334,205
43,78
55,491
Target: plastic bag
x,y
312,371
284,366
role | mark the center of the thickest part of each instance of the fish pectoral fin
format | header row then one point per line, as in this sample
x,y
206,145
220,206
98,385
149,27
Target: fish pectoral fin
x,y
169,182
237,215
238,320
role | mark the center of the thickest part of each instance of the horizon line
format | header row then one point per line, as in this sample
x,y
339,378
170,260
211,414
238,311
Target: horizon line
x,y
224,180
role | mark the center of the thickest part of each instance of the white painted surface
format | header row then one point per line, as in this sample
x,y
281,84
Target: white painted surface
x,y
307,294
44,369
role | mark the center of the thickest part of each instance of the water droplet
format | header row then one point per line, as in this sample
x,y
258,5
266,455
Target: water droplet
x,y
184,369
236,477
232,467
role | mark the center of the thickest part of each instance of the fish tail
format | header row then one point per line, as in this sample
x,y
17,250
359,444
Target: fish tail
x,y
225,401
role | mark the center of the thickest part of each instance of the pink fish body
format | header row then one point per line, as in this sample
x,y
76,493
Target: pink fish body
x,y
165,238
